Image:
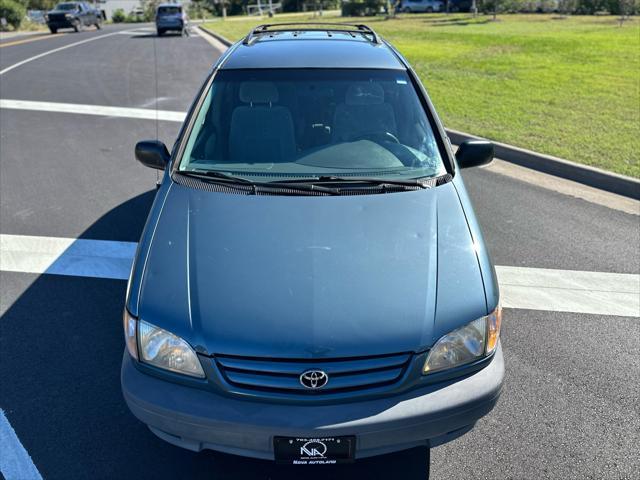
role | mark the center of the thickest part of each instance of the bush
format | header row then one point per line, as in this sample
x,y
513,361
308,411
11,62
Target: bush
x,y
133,18
360,8
12,12
118,16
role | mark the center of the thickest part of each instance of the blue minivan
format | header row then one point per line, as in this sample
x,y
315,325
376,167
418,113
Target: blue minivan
x,y
312,286
170,17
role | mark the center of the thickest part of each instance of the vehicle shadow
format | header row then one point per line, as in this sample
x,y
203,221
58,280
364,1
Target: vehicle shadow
x,y
61,348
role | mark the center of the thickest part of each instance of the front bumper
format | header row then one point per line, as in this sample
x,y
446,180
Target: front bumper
x,y
197,419
62,23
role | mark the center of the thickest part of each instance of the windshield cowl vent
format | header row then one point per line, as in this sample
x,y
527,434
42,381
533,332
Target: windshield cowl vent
x,y
241,189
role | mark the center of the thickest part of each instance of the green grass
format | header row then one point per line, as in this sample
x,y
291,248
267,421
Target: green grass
x,y
566,87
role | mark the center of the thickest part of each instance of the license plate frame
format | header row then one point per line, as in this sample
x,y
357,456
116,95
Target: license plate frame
x,y
314,450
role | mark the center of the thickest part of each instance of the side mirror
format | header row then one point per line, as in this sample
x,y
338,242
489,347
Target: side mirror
x,y
474,153
153,154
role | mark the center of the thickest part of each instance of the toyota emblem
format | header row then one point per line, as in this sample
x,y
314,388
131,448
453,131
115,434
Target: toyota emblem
x,y
314,379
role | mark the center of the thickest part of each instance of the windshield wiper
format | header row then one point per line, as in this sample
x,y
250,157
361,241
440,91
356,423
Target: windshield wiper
x,y
304,186
409,182
210,174
226,178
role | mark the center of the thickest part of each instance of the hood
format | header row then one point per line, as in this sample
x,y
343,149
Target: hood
x,y
310,277
54,11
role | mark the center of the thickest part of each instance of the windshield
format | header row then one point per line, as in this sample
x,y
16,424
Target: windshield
x,y
66,6
168,10
298,123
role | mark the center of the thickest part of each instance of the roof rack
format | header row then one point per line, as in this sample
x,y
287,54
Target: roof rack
x,y
350,28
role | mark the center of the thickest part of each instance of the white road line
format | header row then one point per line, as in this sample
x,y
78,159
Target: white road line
x,y
526,288
66,256
15,462
100,110
59,49
570,291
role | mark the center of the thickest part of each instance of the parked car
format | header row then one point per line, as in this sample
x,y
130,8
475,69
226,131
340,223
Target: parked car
x,y
312,285
76,15
138,13
36,16
171,17
421,6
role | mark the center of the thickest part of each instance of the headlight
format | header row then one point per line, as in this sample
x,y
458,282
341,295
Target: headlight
x,y
157,347
68,16
466,344
165,350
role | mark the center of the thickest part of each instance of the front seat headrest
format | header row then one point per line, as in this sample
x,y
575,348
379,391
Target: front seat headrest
x,y
258,92
364,93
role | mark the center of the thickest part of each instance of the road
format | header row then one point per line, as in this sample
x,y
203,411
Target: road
x,y
570,407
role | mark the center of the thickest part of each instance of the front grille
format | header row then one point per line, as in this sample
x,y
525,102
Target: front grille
x,y
57,17
345,374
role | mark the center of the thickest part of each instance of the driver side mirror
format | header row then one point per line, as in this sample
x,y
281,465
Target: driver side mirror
x,y
153,154
474,153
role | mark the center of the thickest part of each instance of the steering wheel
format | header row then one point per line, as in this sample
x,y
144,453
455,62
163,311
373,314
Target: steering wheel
x,y
376,137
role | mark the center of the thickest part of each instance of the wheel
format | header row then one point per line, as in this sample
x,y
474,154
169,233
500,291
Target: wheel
x,y
406,10
53,30
160,32
429,9
98,24
77,26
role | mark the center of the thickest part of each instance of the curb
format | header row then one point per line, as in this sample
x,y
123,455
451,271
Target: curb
x,y
220,38
585,174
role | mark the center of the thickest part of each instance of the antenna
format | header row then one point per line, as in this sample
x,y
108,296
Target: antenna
x,y
155,75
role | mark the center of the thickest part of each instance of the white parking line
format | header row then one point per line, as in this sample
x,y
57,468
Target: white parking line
x,y
66,256
15,462
100,110
59,49
570,291
526,288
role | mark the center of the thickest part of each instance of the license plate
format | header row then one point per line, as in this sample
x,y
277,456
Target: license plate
x,y
314,451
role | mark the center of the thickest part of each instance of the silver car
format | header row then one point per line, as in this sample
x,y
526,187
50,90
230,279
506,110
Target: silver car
x,y
421,6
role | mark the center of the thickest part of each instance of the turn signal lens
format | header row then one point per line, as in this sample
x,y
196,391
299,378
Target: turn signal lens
x,y
130,334
493,329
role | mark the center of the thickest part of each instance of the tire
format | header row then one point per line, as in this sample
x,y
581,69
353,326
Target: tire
x,y
77,26
160,32
406,10
429,9
98,25
53,30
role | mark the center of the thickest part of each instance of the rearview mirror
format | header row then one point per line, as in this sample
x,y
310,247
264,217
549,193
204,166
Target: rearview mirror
x,y
153,154
474,153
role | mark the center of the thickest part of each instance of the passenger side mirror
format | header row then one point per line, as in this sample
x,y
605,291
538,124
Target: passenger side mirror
x,y
474,153
153,154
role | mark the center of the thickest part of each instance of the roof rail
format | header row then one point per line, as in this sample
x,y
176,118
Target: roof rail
x,y
351,28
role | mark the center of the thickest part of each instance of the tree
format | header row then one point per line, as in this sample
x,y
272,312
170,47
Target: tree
x,y
499,6
39,4
567,7
627,8
12,12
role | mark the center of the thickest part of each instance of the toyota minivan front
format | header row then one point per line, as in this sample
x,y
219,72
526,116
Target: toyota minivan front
x,y
312,285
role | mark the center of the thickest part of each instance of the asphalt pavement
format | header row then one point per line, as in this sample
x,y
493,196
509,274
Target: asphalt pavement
x,y
571,403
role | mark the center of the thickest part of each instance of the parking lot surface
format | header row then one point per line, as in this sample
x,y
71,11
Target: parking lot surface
x,y
571,403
